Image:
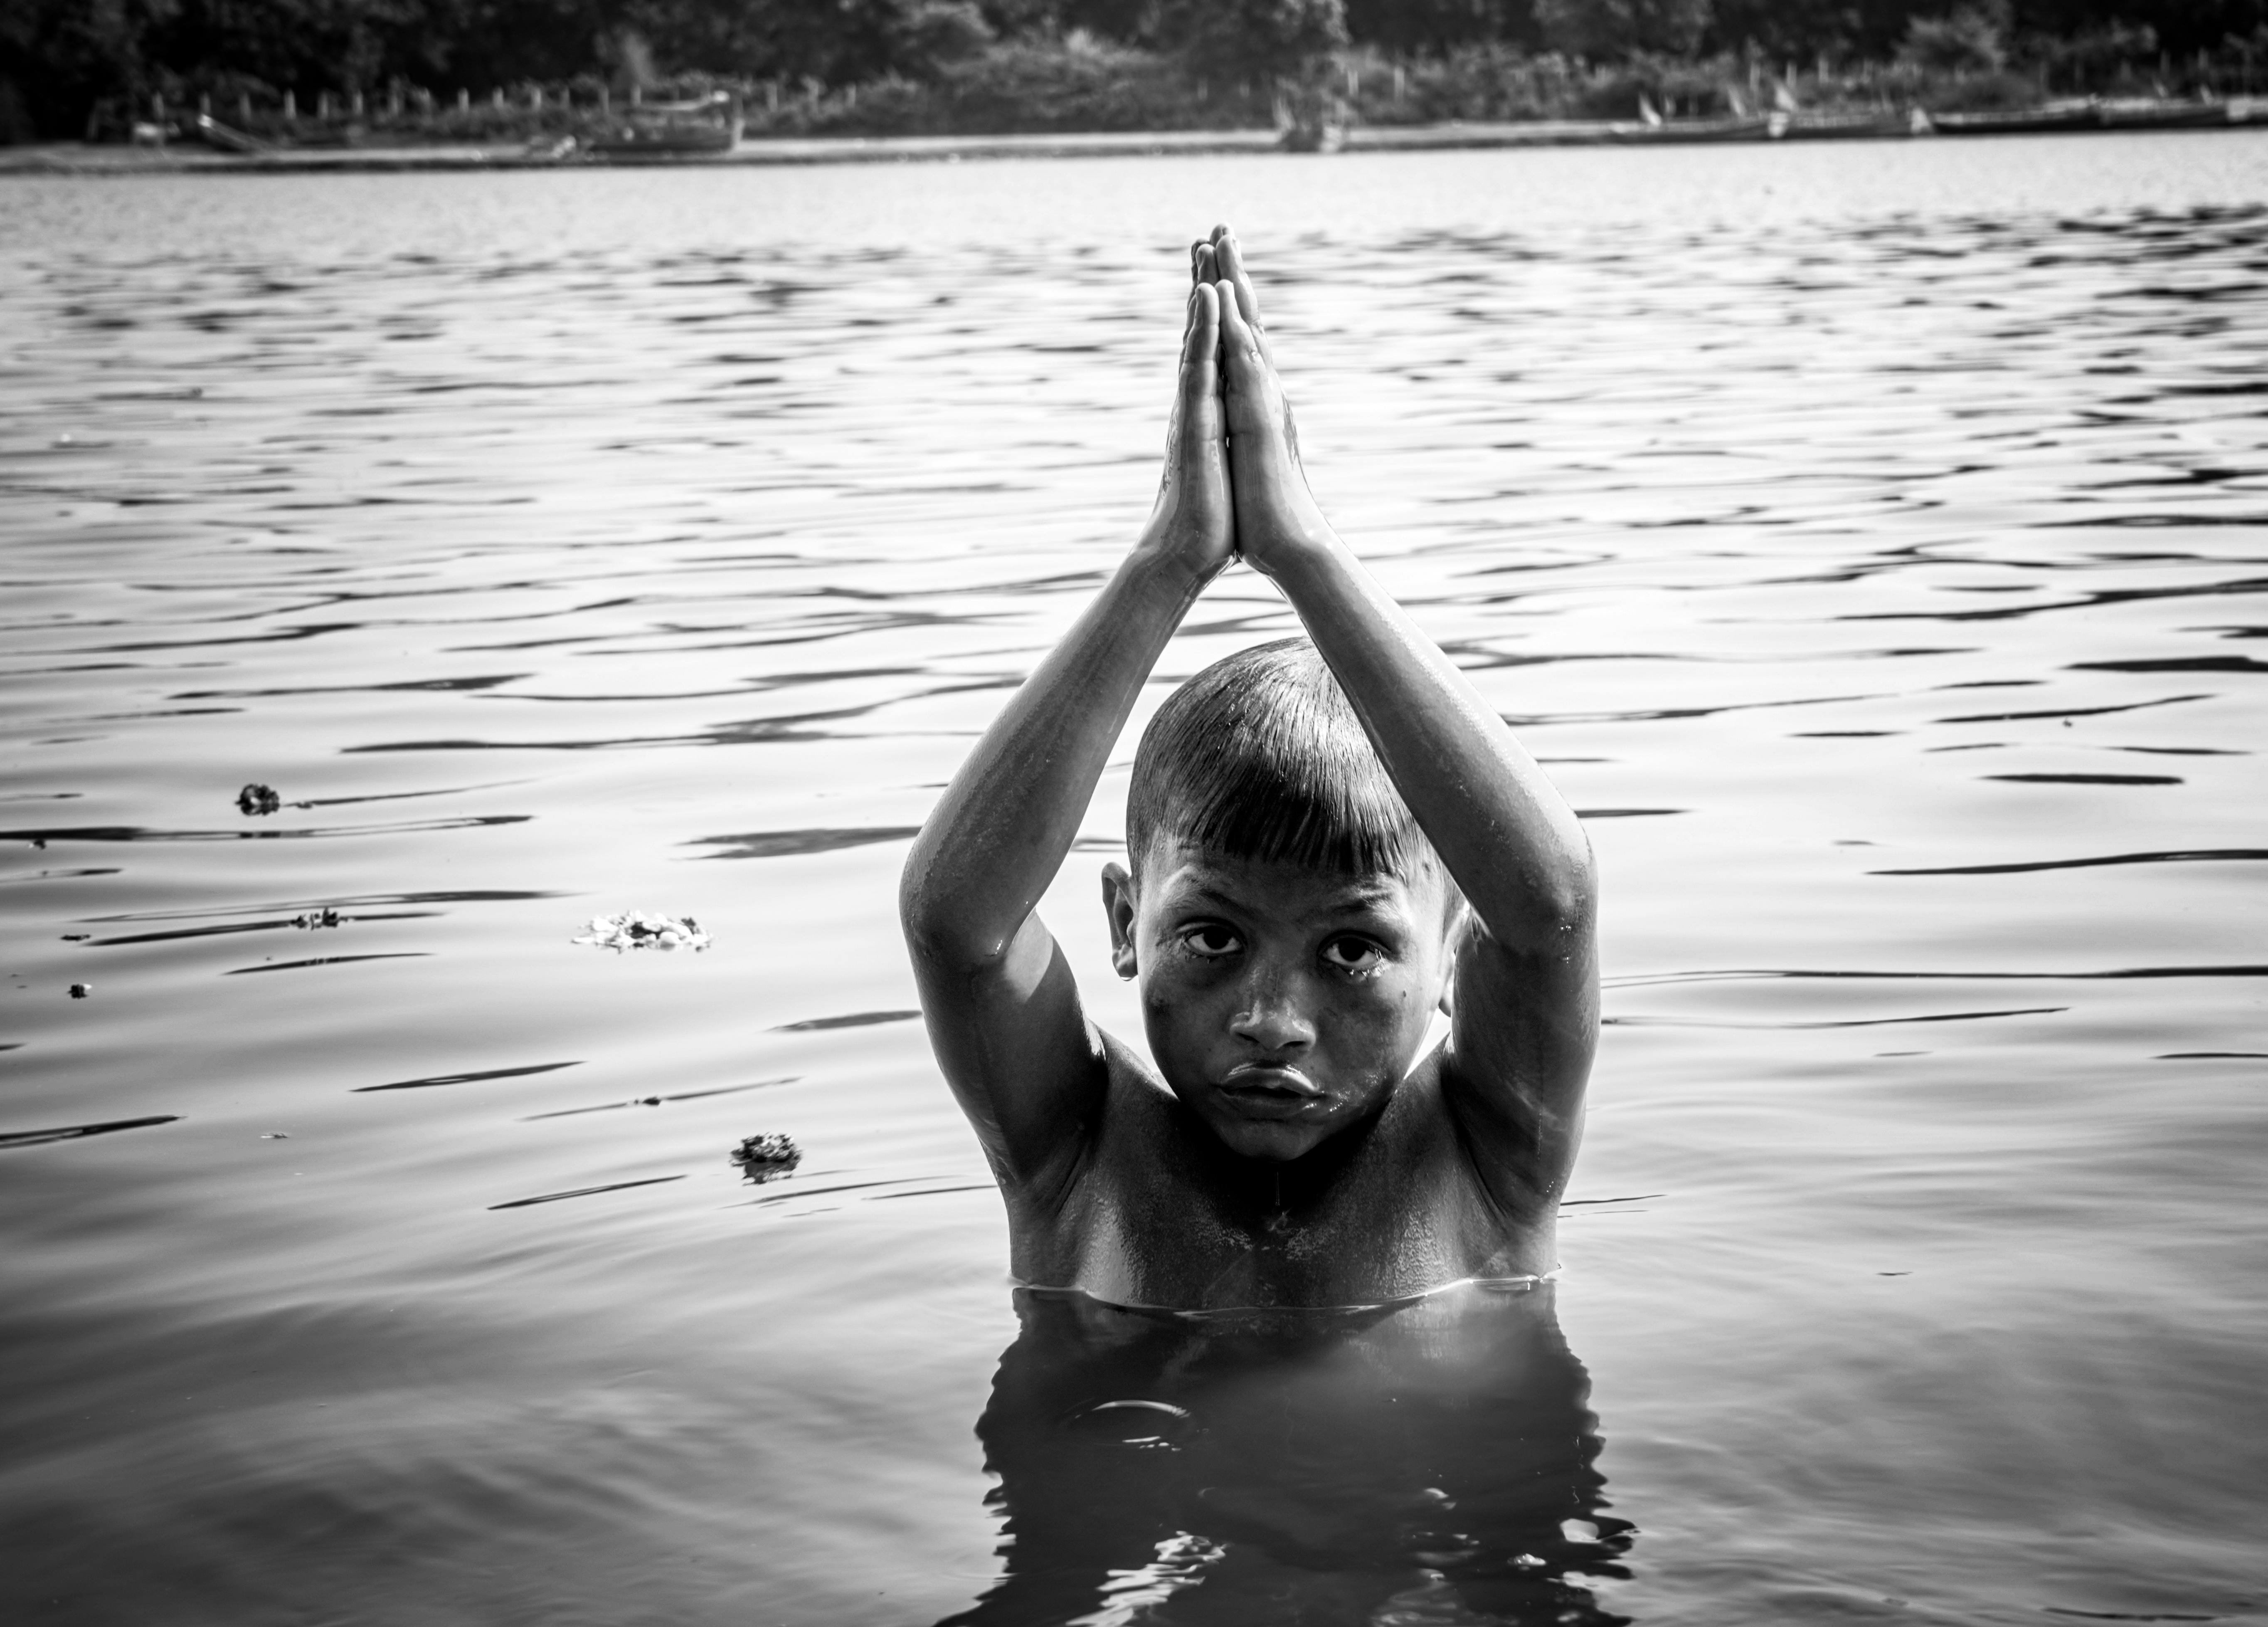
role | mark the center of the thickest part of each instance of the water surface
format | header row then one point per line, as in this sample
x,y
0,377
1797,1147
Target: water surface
x,y
1870,539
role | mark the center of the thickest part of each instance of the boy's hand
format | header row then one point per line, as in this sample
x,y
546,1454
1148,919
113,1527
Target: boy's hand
x,y
1194,523
1276,514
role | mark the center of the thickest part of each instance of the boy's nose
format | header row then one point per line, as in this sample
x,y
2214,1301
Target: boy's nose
x,y
1272,1016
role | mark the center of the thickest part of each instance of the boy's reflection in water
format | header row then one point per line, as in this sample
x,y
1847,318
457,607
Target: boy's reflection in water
x,y
1429,1464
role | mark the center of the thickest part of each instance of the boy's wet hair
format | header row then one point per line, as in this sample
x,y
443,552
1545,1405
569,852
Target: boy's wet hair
x,y
1261,756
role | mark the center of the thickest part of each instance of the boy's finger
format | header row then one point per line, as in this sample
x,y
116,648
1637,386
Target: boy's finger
x,y
1228,255
1239,338
1201,352
1202,343
1204,265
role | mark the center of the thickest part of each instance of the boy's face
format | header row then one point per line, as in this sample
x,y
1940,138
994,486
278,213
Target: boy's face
x,y
1282,1003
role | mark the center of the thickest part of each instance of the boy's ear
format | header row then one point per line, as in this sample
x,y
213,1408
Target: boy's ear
x,y
1118,905
1459,929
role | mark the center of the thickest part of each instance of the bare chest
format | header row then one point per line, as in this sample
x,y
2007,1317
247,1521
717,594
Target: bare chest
x,y
1160,1215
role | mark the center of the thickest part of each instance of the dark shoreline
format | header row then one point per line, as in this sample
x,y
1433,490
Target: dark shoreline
x,y
79,159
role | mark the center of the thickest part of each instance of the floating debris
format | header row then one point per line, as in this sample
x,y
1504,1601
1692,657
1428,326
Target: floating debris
x,y
77,937
80,991
258,799
639,931
320,917
767,1158
275,1136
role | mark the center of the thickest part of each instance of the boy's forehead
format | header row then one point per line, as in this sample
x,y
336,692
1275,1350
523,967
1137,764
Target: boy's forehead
x,y
1179,868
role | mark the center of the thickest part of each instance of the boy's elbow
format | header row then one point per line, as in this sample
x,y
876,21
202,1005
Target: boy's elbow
x,y
1570,891
919,908
1550,903
937,925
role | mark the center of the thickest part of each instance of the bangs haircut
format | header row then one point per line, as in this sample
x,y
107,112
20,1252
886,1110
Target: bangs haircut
x,y
1261,756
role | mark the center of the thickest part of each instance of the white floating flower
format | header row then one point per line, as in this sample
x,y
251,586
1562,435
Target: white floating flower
x,y
638,929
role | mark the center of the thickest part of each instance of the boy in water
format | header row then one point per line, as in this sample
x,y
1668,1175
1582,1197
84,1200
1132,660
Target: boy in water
x,y
1328,840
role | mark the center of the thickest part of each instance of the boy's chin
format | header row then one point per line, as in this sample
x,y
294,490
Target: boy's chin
x,y
1269,1141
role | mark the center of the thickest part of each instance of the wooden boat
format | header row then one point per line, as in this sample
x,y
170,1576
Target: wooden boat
x,y
669,129
2163,116
1325,137
2019,122
1670,132
1864,126
223,138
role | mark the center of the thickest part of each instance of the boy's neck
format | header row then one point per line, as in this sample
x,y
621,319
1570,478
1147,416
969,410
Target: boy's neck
x,y
1283,1187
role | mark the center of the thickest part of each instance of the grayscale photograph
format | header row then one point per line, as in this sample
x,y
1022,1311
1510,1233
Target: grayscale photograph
x,y
1133,813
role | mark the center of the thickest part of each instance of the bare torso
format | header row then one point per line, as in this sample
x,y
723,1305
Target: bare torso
x,y
1157,1212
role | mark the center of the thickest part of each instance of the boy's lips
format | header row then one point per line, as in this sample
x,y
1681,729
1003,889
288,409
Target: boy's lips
x,y
1263,1085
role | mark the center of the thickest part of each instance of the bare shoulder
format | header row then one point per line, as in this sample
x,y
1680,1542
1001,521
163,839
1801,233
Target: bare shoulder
x,y
1094,1194
1525,1028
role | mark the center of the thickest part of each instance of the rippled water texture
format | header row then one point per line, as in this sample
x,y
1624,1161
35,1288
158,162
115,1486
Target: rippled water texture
x,y
1871,539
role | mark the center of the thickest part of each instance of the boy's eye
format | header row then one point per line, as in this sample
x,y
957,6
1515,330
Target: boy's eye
x,y
1352,954
1211,938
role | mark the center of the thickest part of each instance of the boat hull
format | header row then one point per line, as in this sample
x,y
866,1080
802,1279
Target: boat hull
x,y
681,130
1675,132
1829,127
666,143
2030,121
2163,116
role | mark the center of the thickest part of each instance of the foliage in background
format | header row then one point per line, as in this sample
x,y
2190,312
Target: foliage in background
x,y
1618,30
1970,40
70,68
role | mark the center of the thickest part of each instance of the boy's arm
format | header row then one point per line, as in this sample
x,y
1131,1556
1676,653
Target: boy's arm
x,y
1525,1016
1003,1010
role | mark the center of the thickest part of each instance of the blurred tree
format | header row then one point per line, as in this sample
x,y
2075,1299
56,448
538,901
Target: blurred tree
x,y
1617,30
1257,38
2180,26
61,59
1970,40
1436,27
62,62
1125,21
833,41
1796,27
307,45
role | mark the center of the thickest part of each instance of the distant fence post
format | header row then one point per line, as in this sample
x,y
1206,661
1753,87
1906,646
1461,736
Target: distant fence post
x,y
1399,84
291,106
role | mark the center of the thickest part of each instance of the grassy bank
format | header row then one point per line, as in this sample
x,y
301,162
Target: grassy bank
x,y
1079,84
